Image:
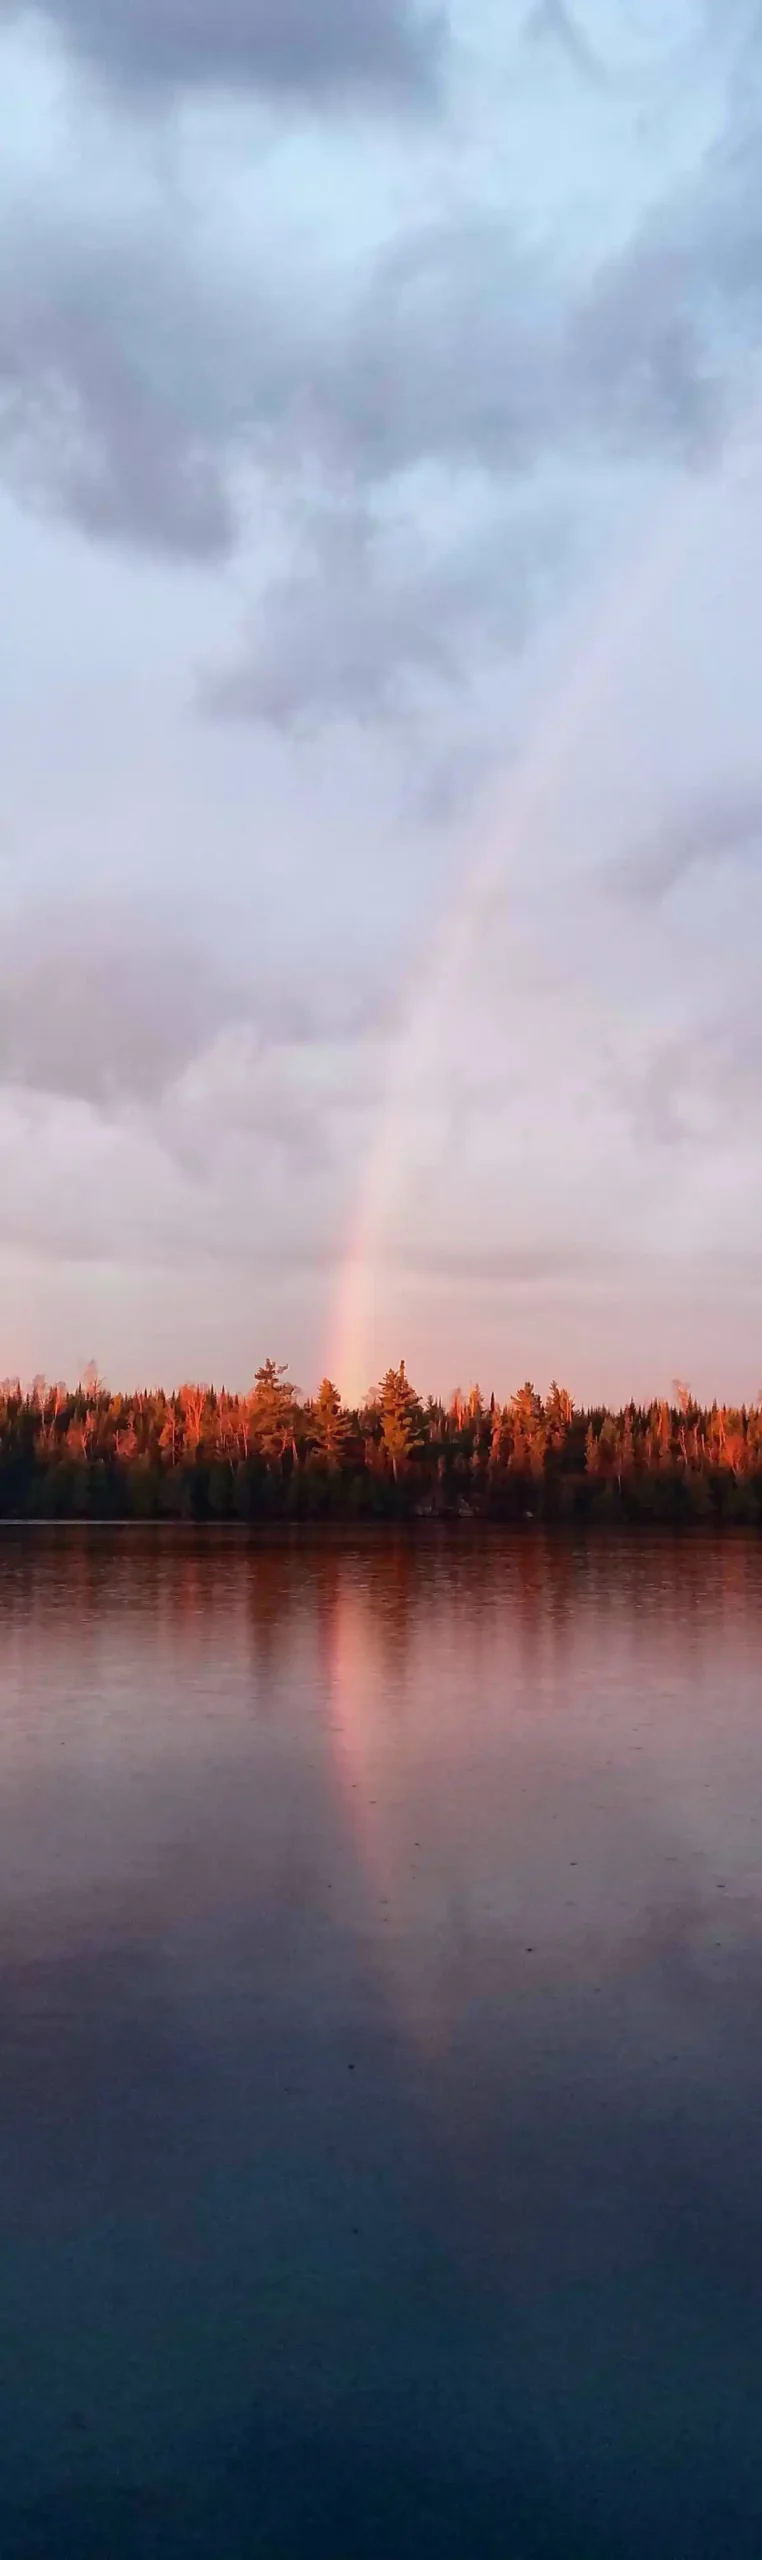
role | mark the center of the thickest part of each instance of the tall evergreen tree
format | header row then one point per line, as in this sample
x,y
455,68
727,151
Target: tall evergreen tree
x,y
401,1419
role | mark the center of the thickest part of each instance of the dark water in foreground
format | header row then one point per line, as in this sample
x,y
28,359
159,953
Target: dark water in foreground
x,y
381,2079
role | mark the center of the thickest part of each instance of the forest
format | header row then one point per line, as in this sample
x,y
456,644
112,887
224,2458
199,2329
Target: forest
x,y
202,1454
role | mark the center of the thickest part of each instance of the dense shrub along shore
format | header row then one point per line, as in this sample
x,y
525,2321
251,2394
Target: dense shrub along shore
x,y
204,1455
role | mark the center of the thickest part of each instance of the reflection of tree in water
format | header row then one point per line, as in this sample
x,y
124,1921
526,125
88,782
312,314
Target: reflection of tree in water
x,y
536,1600
455,1616
396,1598
301,1593
62,1583
511,1615
279,1602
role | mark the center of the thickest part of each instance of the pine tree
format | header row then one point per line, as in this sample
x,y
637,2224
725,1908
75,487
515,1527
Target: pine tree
x,y
401,1419
272,1410
330,1426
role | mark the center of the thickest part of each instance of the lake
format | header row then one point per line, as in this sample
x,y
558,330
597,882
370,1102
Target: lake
x,y
381,2000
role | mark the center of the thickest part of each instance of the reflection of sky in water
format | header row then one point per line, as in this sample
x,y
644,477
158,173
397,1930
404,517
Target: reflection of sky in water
x,y
381,2080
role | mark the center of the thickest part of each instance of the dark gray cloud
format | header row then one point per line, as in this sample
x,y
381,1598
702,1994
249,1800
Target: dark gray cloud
x,y
139,385
110,410
366,624
714,830
134,384
465,346
96,1005
642,359
313,49
105,1004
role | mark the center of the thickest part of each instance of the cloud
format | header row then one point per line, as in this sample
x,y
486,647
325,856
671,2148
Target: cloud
x,y
698,1090
469,346
96,1004
247,1154
106,349
105,1004
509,1267
159,396
714,829
641,357
142,378
137,383
274,1100
368,620
309,49
550,21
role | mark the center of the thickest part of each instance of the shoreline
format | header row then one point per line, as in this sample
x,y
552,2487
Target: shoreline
x,y
572,1531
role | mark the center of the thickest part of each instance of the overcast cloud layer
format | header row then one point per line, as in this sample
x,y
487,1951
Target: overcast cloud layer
x,y
379,426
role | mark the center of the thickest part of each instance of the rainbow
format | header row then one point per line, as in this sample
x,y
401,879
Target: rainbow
x,y
514,827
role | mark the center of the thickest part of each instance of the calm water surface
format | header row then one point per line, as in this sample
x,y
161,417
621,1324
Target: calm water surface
x,y
381,2091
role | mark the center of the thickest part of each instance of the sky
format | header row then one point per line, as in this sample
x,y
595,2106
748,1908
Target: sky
x,y
380,762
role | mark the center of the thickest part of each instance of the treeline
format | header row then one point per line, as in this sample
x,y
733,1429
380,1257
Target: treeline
x,y
203,1455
